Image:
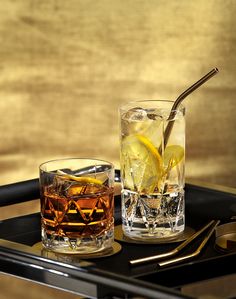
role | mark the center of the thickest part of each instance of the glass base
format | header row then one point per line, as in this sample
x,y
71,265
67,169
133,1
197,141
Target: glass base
x,y
143,234
153,216
83,245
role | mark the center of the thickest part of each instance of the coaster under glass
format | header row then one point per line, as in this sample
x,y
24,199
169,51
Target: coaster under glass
x,y
120,236
116,247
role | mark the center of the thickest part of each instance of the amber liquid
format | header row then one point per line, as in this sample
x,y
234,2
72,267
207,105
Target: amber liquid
x,y
84,211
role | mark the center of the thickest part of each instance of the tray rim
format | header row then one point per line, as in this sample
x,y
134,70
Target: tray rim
x,y
210,186
30,189
84,275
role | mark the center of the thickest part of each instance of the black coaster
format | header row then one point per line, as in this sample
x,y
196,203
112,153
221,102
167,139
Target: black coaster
x,y
116,247
119,236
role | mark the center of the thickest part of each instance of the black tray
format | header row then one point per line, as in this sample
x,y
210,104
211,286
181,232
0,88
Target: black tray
x,y
113,277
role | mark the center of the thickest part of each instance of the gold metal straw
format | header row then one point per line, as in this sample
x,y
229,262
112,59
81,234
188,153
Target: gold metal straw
x,y
191,255
180,98
171,252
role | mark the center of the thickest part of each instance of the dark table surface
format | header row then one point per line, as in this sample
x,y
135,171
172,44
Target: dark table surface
x,y
202,204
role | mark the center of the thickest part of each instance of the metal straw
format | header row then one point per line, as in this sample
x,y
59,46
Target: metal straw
x,y
180,99
191,255
171,252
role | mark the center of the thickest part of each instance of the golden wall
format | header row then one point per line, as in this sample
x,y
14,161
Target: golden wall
x,y
66,67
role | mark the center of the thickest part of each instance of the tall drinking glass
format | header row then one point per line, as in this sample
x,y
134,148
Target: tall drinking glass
x,y
152,169
77,205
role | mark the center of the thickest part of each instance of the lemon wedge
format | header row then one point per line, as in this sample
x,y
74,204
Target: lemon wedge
x,y
82,179
141,162
173,153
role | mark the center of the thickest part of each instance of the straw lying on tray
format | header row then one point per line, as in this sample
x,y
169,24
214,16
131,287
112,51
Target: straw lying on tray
x,y
179,248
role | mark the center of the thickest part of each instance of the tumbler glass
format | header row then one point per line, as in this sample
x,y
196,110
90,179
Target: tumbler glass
x,y
77,205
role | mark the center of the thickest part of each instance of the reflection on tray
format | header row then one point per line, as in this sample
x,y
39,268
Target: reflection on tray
x,y
75,257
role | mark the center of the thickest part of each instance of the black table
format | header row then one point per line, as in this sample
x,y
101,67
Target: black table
x,y
113,277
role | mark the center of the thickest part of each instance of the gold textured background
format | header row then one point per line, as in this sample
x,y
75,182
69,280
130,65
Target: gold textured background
x,y
66,66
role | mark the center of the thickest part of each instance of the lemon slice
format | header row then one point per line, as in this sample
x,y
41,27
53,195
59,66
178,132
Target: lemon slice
x,y
173,153
141,164
81,179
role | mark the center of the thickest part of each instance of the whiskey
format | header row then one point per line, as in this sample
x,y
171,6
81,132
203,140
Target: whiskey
x,y
81,211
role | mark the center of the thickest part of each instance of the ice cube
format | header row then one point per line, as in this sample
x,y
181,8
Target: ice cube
x,y
135,114
125,127
61,185
85,189
75,189
154,116
162,113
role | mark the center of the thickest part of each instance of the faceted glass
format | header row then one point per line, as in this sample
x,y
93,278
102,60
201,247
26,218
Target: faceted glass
x,y
152,169
77,205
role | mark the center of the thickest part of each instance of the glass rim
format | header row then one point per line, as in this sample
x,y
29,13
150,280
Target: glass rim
x,y
124,106
74,158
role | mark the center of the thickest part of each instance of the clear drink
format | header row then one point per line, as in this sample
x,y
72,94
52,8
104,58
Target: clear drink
x,y
77,206
152,170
